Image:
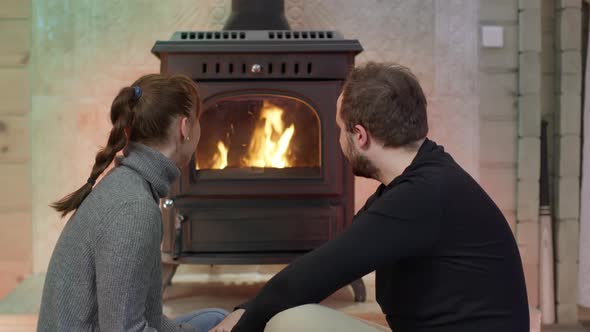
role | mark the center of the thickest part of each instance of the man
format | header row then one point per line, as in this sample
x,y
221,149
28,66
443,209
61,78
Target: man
x,y
444,255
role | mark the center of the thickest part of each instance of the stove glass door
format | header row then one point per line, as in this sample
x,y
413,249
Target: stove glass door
x,y
259,136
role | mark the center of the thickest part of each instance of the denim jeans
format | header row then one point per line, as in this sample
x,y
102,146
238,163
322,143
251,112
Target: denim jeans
x,y
203,320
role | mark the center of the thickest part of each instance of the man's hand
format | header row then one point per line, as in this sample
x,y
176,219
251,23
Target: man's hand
x,y
228,323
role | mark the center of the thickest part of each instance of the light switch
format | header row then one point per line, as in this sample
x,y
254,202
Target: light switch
x,y
492,36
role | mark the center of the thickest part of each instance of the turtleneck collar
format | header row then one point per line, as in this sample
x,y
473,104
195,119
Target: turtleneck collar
x,y
426,149
153,166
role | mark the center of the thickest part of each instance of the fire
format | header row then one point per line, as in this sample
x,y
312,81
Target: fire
x,y
220,158
270,142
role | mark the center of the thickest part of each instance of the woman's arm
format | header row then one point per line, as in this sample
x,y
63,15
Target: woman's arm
x,y
126,254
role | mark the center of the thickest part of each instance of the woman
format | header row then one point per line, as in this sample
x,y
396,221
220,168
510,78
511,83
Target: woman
x,y
105,271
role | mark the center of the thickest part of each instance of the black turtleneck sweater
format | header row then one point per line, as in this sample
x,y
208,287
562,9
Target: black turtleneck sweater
x,y
444,255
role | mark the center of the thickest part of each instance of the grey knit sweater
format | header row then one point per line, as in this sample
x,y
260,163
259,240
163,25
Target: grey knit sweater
x,y
105,273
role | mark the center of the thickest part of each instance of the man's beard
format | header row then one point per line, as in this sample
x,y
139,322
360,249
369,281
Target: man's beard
x,y
361,165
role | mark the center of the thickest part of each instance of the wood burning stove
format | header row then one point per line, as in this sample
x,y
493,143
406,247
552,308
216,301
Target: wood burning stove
x,y
268,181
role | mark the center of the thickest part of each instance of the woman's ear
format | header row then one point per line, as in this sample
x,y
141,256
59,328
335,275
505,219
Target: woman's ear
x,y
185,127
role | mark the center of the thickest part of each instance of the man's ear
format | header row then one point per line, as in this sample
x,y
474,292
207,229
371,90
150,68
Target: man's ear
x,y
361,136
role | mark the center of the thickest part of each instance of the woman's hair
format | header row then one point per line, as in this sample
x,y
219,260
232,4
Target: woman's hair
x,y
140,113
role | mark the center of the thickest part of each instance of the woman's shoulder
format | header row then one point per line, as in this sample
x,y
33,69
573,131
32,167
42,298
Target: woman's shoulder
x,y
120,192
124,184
132,219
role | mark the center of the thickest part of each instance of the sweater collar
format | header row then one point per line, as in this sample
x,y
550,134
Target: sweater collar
x,y
153,166
426,149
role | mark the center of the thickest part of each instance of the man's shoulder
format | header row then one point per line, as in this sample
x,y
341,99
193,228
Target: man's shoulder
x,y
409,199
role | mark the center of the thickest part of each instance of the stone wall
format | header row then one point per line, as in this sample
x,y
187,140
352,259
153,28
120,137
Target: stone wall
x,y
567,130
83,54
537,75
84,51
550,85
510,124
498,106
485,104
529,142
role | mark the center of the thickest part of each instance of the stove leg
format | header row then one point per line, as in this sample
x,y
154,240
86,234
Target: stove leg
x,y
168,271
360,293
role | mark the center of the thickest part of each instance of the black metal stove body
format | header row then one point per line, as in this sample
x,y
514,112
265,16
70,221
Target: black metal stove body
x,y
231,206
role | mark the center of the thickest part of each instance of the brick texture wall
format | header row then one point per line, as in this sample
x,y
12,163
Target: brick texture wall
x,y
567,129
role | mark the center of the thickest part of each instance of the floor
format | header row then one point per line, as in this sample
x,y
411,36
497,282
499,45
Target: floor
x,y
186,297
18,309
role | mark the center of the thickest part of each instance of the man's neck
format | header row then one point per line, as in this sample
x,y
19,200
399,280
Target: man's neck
x,y
391,162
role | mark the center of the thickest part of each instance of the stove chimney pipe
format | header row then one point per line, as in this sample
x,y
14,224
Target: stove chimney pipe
x,y
257,15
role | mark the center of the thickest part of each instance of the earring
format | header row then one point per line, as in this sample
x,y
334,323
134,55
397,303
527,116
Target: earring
x,y
187,138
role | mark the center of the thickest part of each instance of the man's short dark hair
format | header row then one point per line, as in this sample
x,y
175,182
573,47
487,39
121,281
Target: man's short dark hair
x,y
388,101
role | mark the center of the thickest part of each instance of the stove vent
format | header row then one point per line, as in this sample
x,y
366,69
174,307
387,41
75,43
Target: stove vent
x,y
301,35
256,35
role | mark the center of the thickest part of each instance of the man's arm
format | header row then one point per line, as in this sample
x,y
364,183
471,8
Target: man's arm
x,y
228,322
397,226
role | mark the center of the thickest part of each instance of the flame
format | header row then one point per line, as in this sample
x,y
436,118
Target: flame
x,y
220,158
268,146
270,142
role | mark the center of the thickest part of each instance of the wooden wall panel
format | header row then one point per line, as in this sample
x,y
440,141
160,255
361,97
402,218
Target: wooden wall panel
x,y
15,38
14,138
15,9
15,94
15,192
